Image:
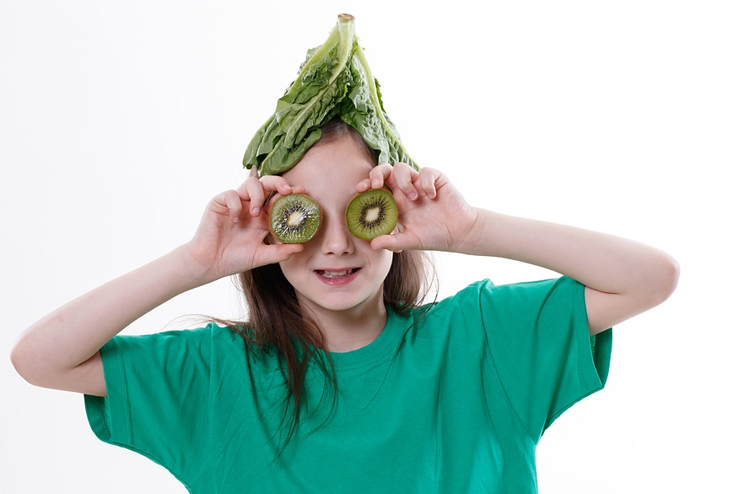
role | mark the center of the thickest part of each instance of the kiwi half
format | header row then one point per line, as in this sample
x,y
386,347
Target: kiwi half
x,y
295,218
371,213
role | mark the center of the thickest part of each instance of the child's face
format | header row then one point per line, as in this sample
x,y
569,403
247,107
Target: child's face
x,y
336,271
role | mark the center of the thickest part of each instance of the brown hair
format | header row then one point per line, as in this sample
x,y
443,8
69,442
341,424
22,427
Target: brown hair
x,y
276,321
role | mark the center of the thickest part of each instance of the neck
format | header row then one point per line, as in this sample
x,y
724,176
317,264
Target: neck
x,y
348,330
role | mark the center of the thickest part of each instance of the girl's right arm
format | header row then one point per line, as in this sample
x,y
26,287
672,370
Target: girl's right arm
x,y
61,350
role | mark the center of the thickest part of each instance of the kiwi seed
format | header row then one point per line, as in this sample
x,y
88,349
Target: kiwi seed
x,y
295,218
371,213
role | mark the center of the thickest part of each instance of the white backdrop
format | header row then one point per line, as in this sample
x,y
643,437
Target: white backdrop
x,y
120,120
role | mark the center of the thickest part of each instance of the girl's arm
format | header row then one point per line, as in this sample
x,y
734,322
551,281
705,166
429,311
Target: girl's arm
x,y
61,350
623,278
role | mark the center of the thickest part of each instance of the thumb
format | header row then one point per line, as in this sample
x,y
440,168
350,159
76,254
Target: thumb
x,y
272,254
389,242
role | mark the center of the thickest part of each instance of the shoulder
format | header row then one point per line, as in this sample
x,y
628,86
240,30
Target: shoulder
x,y
211,332
203,341
522,295
484,304
486,291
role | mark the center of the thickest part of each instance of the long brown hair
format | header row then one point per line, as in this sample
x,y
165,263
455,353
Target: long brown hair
x,y
276,322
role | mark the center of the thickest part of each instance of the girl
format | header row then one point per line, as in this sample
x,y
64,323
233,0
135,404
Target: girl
x,y
341,381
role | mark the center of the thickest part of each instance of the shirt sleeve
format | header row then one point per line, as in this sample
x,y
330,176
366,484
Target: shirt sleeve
x,y
158,388
541,348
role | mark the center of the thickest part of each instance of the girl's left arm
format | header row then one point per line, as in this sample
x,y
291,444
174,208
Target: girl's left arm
x,y
622,277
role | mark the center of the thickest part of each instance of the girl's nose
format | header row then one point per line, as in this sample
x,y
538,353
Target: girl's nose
x,y
336,239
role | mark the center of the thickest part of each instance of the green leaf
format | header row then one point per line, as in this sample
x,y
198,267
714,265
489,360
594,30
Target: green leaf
x,y
334,79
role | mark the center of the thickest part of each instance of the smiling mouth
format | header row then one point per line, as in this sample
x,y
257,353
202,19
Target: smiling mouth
x,y
336,274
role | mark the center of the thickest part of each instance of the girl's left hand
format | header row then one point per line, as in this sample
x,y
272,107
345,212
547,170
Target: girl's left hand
x,y
433,215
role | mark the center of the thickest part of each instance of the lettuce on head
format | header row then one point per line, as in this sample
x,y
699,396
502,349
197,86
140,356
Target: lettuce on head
x,y
335,80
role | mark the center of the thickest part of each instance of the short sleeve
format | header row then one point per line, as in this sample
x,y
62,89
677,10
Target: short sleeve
x,y
541,348
157,395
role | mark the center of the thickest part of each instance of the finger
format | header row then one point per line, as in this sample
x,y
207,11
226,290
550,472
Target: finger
x,y
379,174
233,204
276,183
363,185
404,177
252,190
258,191
428,181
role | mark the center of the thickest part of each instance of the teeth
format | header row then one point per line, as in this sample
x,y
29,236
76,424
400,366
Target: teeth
x,y
336,274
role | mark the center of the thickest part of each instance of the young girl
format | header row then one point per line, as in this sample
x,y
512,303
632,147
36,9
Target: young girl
x,y
341,381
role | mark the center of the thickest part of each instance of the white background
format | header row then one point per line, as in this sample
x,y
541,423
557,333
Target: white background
x,y
120,120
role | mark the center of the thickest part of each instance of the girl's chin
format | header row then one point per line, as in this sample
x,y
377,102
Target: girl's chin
x,y
337,304
341,302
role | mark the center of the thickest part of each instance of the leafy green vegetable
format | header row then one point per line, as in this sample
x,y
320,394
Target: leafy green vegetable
x,y
334,80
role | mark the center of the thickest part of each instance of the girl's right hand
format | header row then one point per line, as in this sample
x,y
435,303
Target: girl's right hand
x,y
231,236
61,350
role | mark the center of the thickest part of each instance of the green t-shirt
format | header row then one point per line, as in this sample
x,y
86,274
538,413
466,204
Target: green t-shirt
x,y
455,403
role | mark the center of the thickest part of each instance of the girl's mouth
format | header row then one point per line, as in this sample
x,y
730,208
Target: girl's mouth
x,y
335,274
336,277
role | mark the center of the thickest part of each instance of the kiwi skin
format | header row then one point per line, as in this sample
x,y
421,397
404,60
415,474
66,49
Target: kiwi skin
x,y
375,202
309,216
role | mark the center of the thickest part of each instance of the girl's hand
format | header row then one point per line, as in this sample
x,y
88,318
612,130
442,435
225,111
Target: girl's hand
x,y
231,236
433,215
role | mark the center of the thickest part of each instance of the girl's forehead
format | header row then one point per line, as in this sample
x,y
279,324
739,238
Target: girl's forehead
x,y
338,164
331,190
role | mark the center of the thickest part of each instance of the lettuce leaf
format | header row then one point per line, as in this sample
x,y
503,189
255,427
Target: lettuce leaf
x,y
334,80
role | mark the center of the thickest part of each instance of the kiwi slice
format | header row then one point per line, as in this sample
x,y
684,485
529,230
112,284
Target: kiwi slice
x,y
371,213
295,218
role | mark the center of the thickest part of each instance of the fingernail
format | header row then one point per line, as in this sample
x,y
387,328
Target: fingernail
x,y
412,196
256,211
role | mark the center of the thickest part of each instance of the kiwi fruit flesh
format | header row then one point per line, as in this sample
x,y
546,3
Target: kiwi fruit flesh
x,y
371,213
295,218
